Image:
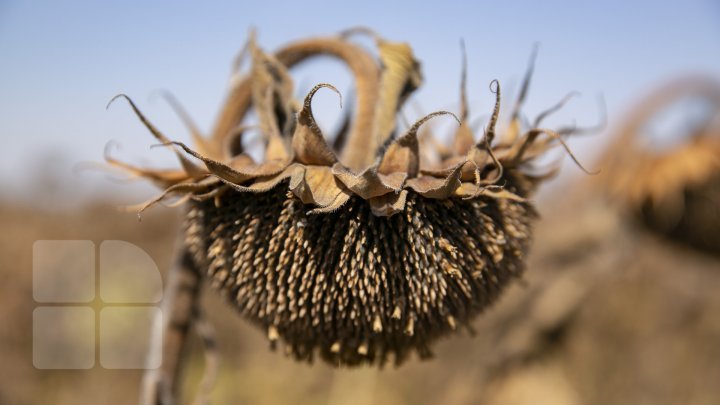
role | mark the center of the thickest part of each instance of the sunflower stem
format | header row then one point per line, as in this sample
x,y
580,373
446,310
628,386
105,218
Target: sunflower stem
x,y
180,303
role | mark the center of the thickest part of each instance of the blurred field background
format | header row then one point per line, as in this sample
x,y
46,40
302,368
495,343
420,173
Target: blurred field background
x,y
607,313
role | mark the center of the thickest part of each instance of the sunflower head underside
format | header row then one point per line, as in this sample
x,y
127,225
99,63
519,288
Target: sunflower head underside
x,y
374,244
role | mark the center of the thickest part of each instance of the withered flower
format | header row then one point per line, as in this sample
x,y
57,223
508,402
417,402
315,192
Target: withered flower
x,y
676,191
377,244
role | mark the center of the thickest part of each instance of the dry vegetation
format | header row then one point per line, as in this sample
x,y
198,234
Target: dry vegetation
x,y
609,311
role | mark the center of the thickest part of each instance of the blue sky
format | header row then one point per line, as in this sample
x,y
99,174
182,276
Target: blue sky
x,y
60,62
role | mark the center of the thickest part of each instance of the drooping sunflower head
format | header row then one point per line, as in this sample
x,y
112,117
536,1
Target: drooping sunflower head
x,y
676,191
372,246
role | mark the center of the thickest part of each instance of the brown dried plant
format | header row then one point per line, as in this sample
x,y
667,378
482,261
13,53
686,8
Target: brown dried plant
x,y
362,249
675,192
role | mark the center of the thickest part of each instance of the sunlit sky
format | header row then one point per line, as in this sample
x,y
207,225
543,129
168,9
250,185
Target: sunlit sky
x,y
60,62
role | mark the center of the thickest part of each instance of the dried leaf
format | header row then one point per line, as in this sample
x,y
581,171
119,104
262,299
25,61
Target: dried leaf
x,y
308,143
235,175
403,154
514,128
518,152
177,188
557,107
315,185
433,187
162,177
337,203
199,141
470,190
463,139
369,183
272,100
400,77
188,166
389,204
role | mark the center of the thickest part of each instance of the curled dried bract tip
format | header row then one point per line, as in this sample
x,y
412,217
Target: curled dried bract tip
x,y
197,135
557,107
559,138
182,188
368,252
308,99
490,131
189,167
308,142
180,111
241,56
525,86
414,128
479,180
403,153
592,129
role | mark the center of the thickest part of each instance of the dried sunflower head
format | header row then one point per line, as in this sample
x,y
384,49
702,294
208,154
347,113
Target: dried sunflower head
x,y
675,192
365,248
